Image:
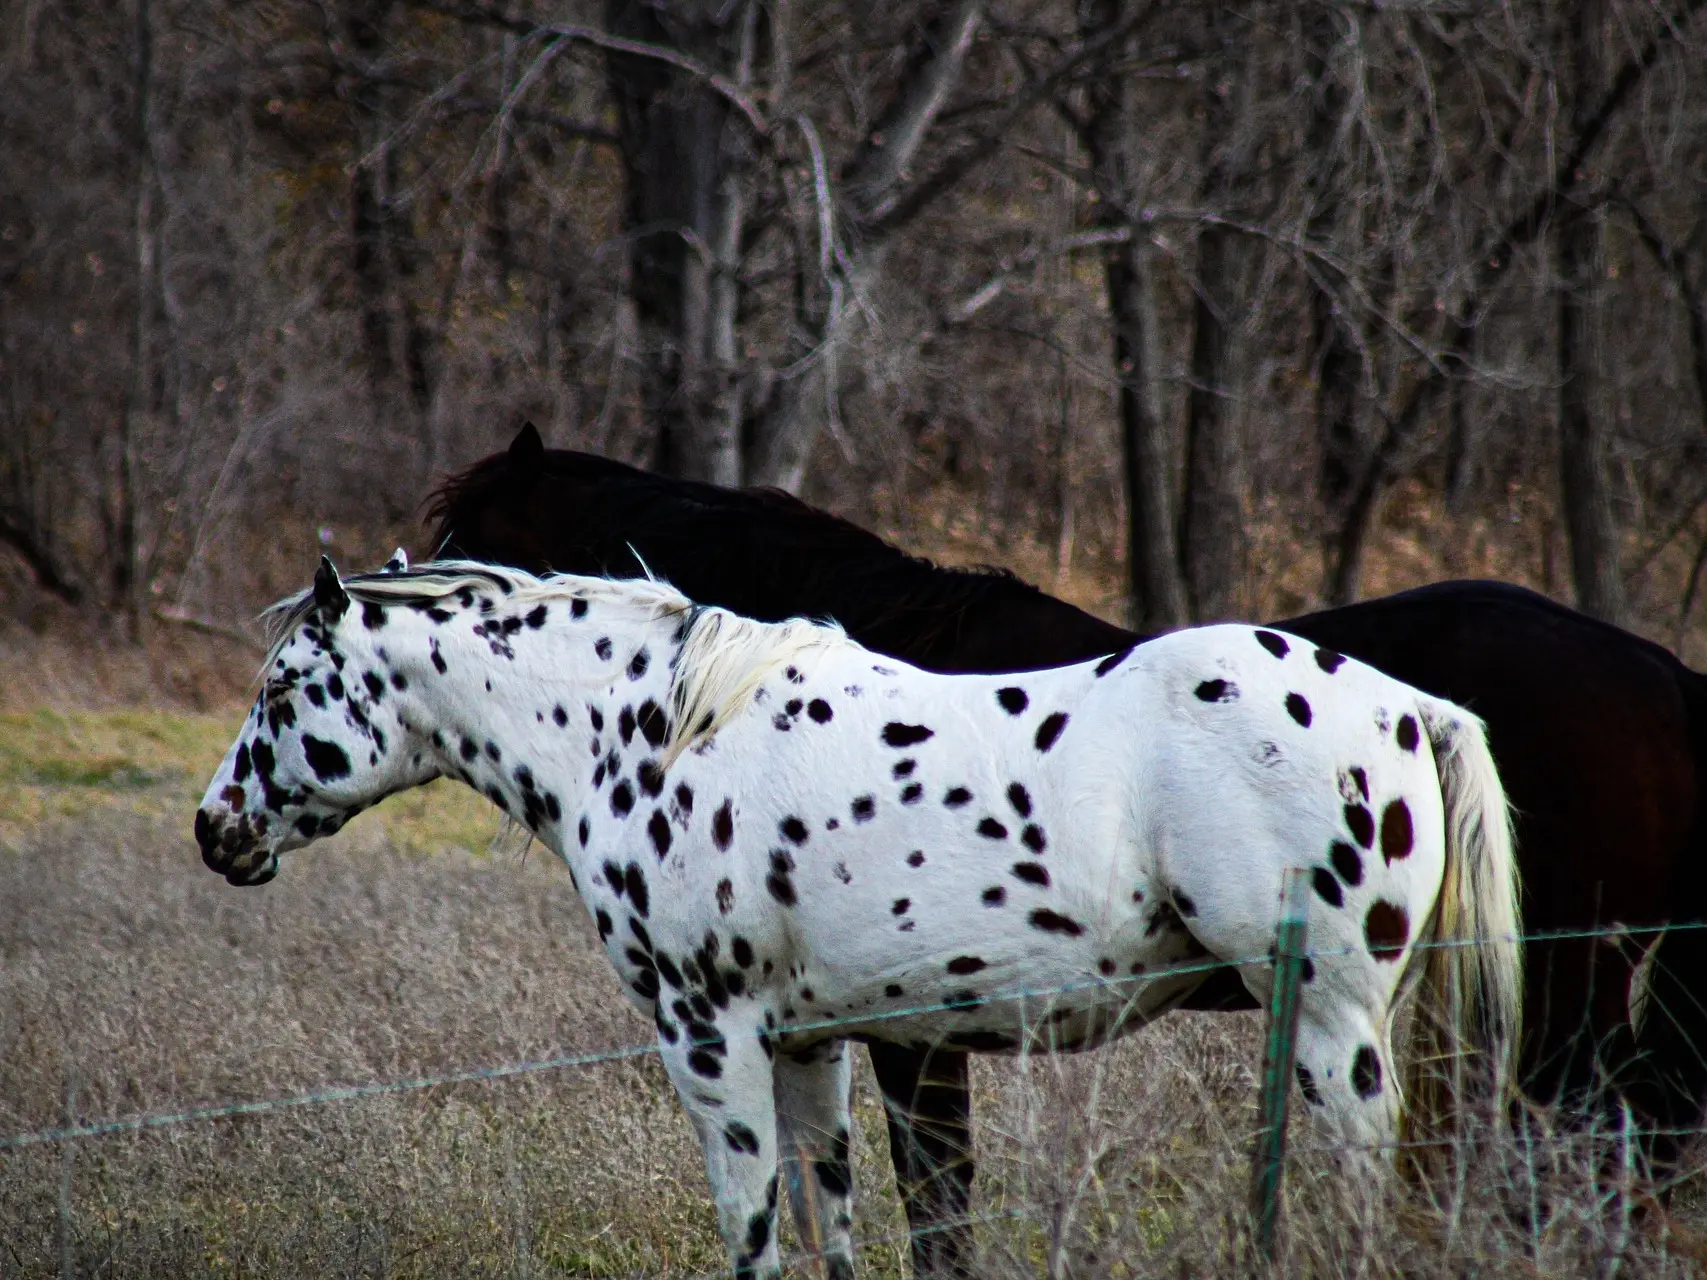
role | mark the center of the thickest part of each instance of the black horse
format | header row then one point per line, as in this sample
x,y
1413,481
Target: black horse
x,y
1601,739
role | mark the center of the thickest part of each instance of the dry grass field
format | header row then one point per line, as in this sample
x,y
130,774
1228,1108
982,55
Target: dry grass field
x,y
132,982
419,942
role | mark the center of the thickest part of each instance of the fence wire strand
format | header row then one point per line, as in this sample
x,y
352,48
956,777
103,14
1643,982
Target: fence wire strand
x,y
485,1075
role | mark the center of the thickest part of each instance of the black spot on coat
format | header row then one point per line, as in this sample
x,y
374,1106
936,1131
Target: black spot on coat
x,y
778,882
1113,660
1366,1071
896,734
1050,729
1013,699
1397,835
1361,823
1275,644
1306,1080
1347,863
1020,799
741,1139
634,881
1298,707
1386,929
1054,922
621,799
1327,888
327,759
654,724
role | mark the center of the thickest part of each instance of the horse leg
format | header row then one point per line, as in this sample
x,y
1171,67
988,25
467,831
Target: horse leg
x,y
813,1118
1344,1065
724,1079
1672,1039
1345,1072
928,1102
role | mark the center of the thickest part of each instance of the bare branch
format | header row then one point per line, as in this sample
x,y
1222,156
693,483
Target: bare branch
x,y
724,86
991,139
885,164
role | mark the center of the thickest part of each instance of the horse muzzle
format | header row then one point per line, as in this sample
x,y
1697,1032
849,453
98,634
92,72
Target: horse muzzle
x,y
231,845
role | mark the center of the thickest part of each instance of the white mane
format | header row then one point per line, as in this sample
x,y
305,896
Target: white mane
x,y
724,658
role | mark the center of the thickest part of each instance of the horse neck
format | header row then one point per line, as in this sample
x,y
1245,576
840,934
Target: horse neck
x,y
529,730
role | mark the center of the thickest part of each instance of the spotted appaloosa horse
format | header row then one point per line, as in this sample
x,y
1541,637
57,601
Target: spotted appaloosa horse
x,y
786,841
1601,739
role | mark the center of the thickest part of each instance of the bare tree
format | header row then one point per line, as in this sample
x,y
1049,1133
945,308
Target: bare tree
x,y
1109,131
1591,526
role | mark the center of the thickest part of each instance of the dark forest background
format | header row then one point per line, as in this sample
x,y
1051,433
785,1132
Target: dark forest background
x,y
1218,299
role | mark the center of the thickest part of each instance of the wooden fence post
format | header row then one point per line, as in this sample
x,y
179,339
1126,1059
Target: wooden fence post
x,y
1268,1160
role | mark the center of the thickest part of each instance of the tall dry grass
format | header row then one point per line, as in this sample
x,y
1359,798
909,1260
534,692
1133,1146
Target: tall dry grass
x,y
132,981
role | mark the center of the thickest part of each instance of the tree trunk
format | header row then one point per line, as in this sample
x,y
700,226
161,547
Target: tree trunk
x,y
1591,528
1212,515
125,551
687,198
1335,360
367,210
1154,581
1157,587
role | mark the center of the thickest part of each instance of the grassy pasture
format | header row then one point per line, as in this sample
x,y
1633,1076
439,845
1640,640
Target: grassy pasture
x,y
132,981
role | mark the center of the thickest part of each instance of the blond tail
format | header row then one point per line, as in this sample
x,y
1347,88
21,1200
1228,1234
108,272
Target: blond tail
x,y
1471,1000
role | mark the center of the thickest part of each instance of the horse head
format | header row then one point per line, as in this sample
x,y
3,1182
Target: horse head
x,y
321,743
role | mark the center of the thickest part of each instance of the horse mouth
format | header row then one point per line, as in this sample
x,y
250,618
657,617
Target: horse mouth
x,y
259,874
230,848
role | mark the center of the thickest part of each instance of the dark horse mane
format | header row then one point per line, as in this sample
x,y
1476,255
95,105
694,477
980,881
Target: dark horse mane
x,y
747,548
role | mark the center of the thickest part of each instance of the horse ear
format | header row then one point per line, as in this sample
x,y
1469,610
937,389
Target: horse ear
x,y
527,449
399,561
329,594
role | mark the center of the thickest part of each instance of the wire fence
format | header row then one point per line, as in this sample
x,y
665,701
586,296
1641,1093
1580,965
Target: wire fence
x,y
334,1093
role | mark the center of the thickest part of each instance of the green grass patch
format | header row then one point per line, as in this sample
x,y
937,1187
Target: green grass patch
x,y
57,764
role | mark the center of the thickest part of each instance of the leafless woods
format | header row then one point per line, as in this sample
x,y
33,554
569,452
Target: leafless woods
x,y
1135,274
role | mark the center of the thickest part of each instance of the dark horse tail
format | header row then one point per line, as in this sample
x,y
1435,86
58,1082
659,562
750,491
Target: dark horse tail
x,y
1671,1013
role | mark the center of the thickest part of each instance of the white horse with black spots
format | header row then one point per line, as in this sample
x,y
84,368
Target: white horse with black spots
x,y
786,841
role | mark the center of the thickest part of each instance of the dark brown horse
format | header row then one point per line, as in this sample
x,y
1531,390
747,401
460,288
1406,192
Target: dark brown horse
x,y
1601,738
